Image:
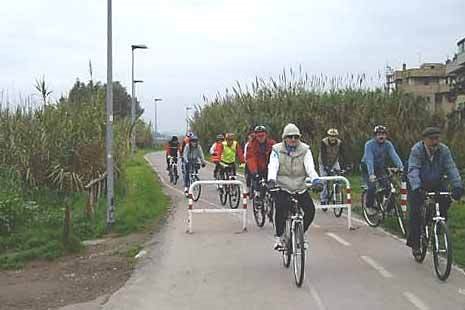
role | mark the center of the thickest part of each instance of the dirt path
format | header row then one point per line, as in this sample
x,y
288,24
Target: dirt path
x,y
98,271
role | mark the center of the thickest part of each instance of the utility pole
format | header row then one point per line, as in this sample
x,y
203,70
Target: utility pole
x,y
188,108
155,123
133,98
109,129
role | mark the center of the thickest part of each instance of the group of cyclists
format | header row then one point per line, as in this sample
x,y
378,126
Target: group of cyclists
x,y
288,166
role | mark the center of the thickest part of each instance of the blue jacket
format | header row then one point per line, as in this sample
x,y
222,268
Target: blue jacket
x,y
375,155
426,173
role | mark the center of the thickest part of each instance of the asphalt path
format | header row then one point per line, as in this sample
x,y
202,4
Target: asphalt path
x,y
220,267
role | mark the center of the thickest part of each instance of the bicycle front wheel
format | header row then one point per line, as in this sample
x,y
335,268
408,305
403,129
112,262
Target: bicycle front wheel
x,y
196,191
298,252
442,250
287,251
339,195
424,240
259,212
373,216
400,219
234,196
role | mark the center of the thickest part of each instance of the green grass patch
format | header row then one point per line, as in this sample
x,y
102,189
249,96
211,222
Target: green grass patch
x,y
38,234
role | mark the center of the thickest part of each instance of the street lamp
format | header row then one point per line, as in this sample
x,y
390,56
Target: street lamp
x,y
155,123
109,125
133,98
188,108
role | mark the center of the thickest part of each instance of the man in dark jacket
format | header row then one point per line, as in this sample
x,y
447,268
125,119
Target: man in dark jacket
x,y
329,158
428,163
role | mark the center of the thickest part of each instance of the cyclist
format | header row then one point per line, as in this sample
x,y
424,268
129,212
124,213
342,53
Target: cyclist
x,y
291,162
172,149
258,155
230,150
193,154
330,154
248,176
428,162
374,162
185,141
215,153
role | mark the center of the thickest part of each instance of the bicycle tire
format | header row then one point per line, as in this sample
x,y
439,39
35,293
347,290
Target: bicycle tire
x,y
440,228
287,251
223,191
298,253
400,219
258,212
338,211
197,190
372,220
234,196
424,241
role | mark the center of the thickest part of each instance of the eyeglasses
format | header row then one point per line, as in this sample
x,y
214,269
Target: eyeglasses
x,y
295,137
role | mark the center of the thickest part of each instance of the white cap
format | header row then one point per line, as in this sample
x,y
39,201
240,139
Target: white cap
x,y
291,130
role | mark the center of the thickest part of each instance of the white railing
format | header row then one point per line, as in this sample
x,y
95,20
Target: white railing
x,y
243,211
348,203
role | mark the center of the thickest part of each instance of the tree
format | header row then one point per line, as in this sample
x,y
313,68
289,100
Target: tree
x,y
82,92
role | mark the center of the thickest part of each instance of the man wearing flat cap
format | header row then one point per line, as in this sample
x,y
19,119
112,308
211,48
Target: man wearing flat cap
x,y
429,161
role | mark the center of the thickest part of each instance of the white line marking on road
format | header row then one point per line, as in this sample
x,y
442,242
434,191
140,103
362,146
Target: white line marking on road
x,y
415,301
316,296
370,261
338,239
462,291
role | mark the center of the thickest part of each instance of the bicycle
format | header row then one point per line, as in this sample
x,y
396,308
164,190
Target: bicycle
x,y
263,203
293,238
193,177
335,192
433,224
173,169
229,191
386,202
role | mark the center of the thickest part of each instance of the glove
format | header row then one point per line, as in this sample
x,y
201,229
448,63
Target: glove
x,y
317,185
327,169
372,178
203,165
271,184
256,176
457,193
242,165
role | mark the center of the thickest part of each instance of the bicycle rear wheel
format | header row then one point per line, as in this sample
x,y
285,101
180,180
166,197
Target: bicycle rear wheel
x,y
298,252
373,216
442,250
197,190
234,196
259,212
339,198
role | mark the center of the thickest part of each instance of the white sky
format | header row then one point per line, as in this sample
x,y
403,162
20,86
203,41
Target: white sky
x,y
203,46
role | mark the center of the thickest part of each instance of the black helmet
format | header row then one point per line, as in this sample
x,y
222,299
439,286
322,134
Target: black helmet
x,y
193,138
220,137
174,138
379,129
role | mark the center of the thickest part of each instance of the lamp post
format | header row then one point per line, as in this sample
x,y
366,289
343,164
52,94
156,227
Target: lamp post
x,y
155,123
188,108
133,98
109,125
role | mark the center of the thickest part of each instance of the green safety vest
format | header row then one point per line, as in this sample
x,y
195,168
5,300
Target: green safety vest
x,y
229,153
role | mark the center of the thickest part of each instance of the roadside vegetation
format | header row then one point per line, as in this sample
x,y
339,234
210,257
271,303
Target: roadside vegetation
x,y
316,103
49,153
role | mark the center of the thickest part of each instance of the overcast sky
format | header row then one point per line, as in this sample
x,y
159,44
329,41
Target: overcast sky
x,y
202,46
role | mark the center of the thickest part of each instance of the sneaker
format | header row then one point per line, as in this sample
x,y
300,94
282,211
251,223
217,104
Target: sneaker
x,y
305,243
279,245
186,192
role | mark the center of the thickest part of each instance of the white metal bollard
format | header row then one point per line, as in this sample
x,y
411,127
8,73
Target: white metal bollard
x,y
242,211
347,205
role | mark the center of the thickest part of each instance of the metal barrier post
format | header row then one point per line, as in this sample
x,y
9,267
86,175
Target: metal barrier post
x,y
191,210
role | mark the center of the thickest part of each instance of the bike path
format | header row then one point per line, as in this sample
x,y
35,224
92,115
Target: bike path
x,y
219,267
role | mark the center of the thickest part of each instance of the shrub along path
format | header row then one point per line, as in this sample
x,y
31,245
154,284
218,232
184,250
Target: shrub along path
x,y
94,270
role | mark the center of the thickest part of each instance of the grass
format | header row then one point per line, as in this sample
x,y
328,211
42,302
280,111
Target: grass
x,y
139,203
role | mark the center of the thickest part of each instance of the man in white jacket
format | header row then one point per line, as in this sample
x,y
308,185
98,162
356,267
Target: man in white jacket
x,y
291,163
